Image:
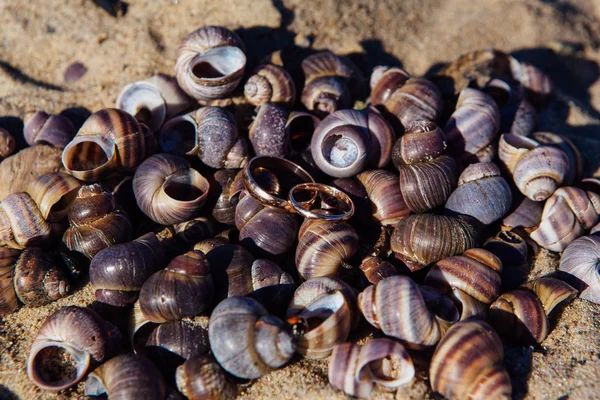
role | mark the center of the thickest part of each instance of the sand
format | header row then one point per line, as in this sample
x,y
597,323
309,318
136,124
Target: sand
x,y
39,40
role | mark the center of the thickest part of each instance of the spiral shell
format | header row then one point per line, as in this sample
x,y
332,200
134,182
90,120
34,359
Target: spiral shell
x,y
272,286
9,301
538,85
511,249
385,81
527,215
581,260
210,63
201,378
467,364
231,269
229,184
54,193
269,133
387,203
575,160
247,341
7,143
21,222
517,115
110,141
377,269
355,369
168,190
482,193
347,141
39,127
78,331
270,84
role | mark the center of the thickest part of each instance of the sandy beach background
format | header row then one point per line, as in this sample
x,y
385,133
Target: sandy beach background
x,y
39,39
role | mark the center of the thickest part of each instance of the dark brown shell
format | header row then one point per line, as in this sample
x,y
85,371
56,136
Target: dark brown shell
x,y
229,185
7,143
387,203
231,269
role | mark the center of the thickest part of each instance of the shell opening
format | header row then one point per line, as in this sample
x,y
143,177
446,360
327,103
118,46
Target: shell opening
x,y
340,151
218,63
144,101
301,128
178,136
87,154
186,186
57,367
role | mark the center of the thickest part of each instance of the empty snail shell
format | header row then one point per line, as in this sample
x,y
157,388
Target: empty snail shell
x,y
8,297
581,260
229,184
427,175
517,115
567,214
401,309
21,222
184,289
347,141
270,84
272,286
54,193
538,85
201,378
168,190
117,273
39,127
482,193
422,239
210,63
473,126
527,215
359,196
387,203
247,341
324,247
355,369
377,269
330,82
95,222
153,101
78,331
575,161
231,268
537,170
211,133
327,309
384,82
110,141
472,278
195,230
269,133
467,364
7,143
511,249
126,376
181,338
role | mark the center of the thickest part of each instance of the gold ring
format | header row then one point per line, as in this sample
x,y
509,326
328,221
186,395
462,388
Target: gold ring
x,y
275,165
338,195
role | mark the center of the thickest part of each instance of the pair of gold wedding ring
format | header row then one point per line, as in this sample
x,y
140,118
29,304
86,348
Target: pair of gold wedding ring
x,y
342,210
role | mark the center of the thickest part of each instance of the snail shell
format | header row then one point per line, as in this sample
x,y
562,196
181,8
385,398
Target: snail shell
x,y
117,273
168,190
270,84
581,260
54,193
526,215
538,85
210,63
387,203
7,143
95,223
511,249
195,230
385,81
482,193
201,378
467,364
427,175
9,301
229,184
110,141
473,126
359,196
78,331
537,170
231,269
347,141
152,101
517,115
21,222
183,289
180,338
269,133
126,377
39,127
572,153
377,269
324,247
397,306
327,307
355,369
567,214
422,239
247,341
272,287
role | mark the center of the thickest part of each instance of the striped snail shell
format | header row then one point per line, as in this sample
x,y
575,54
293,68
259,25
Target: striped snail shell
x,y
517,115
271,286
347,141
126,377
377,269
401,309
472,128
39,127
422,239
355,369
537,84
78,331
229,186
94,221
427,175
246,341
54,193
359,196
21,222
190,232
581,261
184,289
567,214
387,203
117,273
472,278
511,249
467,364
385,81
9,301
201,378
575,160
7,143
210,63
270,84
324,247
330,306
269,133
537,170
110,141
231,268
527,215
154,100
482,193
168,190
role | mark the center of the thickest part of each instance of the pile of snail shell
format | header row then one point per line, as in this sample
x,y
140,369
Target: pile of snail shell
x,y
153,205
